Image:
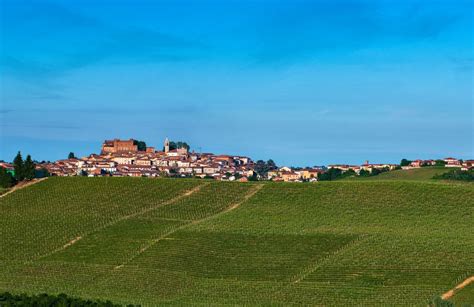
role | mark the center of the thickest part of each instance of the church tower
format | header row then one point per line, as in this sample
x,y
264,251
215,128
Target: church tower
x,y
167,145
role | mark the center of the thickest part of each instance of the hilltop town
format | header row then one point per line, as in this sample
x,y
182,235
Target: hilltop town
x,y
133,158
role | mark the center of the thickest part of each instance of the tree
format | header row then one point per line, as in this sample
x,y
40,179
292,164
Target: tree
x,y
71,155
7,299
262,168
271,165
440,163
330,174
42,172
6,179
29,168
457,175
405,162
174,171
181,144
141,145
254,177
19,167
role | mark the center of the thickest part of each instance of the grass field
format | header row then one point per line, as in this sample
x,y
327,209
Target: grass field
x,y
2,190
423,174
164,241
465,297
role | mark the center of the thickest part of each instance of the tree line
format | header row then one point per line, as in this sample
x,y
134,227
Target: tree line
x,y
22,170
8,299
457,175
336,173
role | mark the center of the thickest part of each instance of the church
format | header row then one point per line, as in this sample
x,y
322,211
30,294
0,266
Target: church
x,y
181,151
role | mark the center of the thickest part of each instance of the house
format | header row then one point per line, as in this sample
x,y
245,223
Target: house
x,y
160,162
380,166
185,170
197,170
272,174
183,163
109,167
452,162
308,173
224,160
344,167
417,163
124,159
209,170
289,176
467,165
242,160
143,161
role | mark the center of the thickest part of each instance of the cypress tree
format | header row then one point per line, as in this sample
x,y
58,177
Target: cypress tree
x,y
18,165
29,168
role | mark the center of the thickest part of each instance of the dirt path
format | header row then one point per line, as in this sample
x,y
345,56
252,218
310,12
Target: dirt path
x,y
450,293
125,217
72,242
234,206
22,185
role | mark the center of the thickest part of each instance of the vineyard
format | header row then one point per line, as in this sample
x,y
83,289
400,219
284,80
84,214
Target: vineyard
x,y
164,241
424,174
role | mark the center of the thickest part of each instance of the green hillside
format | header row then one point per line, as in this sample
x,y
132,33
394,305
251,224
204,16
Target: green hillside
x,y
164,241
423,173
464,297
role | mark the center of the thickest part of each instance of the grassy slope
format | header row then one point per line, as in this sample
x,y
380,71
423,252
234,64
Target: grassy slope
x,y
3,190
333,243
423,174
464,297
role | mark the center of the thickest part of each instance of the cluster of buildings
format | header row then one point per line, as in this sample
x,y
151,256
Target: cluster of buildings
x,y
128,158
366,166
312,174
288,174
123,158
448,162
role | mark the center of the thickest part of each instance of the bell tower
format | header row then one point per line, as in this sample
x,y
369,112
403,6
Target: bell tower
x,y
167,145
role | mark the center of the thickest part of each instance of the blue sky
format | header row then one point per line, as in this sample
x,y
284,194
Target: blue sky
x,y
302,82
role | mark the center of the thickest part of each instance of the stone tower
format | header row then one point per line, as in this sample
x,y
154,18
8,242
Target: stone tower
x,y
167,145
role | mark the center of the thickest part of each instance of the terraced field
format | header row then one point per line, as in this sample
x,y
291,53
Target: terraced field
x,y
159,241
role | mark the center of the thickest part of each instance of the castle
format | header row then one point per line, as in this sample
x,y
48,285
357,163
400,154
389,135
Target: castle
x,y
130,146
117,146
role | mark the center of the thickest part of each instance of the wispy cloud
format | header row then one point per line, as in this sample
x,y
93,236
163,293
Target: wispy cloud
x,y
44,39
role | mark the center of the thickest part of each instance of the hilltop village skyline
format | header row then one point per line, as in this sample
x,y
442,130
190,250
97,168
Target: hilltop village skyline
x,y
118,157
